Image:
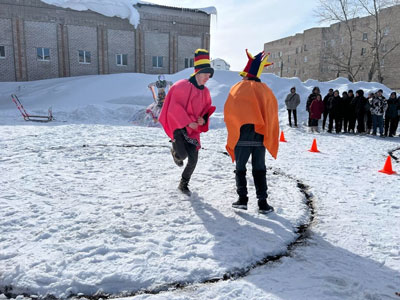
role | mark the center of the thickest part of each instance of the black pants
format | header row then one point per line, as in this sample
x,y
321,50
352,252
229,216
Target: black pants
x,y
183,149
391,126
352,123
325,117
294,117
242,155
360,122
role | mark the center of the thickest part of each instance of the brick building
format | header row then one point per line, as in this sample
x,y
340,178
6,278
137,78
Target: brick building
x,y
314,53
40,41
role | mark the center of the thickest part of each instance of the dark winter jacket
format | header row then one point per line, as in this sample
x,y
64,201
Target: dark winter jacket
x,y
326,102
292,101
378,106
335,105
345,106
392,106
360,103
310,99
316,109
351,113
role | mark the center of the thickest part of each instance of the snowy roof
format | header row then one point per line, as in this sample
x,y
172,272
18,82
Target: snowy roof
x,y
123,9
211,10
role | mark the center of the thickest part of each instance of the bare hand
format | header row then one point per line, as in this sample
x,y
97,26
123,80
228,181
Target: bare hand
x,y
193,125
200,121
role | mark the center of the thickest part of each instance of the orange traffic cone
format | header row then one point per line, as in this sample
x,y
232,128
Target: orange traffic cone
x,y
314,146
282,138
388,167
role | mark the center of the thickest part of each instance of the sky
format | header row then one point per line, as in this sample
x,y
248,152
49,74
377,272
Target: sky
x,y
249,24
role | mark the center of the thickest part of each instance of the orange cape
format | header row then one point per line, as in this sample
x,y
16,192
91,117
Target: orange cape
x,y
251,102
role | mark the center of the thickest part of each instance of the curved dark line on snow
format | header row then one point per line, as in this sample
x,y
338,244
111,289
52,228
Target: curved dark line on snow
x,y
303,232
397,159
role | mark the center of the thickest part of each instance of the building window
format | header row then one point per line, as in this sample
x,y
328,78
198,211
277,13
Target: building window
x,y
157,61
305,59
294,72
363,51
365,36
384,48
382,62
288,58
84,57
332,43
386,31
305,47
2,52
325,44
122,59
188,63
43,54
280,53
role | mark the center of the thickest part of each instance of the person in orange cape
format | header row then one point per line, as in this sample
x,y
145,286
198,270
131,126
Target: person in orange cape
x,y
185,114
251,118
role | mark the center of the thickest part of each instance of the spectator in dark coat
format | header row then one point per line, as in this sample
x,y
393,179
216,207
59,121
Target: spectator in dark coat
x,y
367,113
292,101
326,108
310,99
345,111
360,103
351,113
335,112
316,110
391,116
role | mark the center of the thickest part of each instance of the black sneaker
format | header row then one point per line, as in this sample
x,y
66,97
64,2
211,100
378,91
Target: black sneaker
x,y
177,161
264,207
241,203
183,187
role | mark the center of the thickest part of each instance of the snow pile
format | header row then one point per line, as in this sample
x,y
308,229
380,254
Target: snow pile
x,y
111,8
122,98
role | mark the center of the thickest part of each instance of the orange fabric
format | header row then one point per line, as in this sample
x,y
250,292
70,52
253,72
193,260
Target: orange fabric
x,y
251,102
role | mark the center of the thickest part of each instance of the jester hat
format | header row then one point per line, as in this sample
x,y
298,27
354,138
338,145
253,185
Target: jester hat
x,y
255,65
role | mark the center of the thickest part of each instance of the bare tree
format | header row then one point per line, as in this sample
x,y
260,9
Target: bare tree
x,y
340,55
381,15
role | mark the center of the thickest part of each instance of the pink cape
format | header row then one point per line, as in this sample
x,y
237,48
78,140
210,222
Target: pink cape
x,y
183,105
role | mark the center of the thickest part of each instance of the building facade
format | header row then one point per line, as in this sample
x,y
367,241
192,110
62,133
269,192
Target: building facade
x,y
322,53
40,41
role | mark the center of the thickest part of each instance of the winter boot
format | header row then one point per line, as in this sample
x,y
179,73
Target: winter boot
x,y
183,187
264,207
241,203
177,161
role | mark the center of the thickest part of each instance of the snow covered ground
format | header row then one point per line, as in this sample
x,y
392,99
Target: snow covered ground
x,y
89,204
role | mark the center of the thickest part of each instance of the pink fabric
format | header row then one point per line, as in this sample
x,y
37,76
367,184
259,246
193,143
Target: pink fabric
x,y
316,109
183,105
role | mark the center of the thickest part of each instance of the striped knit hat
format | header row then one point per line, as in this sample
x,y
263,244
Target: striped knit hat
x,y
255,65
202,62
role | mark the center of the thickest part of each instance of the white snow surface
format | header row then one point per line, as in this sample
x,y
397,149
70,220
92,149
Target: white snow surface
x,y
88,203
111,8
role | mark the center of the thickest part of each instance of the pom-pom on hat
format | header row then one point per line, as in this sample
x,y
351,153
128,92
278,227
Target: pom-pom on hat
x,y
255,65
202,62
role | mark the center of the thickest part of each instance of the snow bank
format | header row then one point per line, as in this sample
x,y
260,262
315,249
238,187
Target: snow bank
x,y
120,97
111,8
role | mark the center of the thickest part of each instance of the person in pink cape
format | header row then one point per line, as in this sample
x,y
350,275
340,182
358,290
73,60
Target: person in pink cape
x,y
186,113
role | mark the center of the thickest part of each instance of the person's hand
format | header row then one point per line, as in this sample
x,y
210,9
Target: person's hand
x,y
193,125
200,121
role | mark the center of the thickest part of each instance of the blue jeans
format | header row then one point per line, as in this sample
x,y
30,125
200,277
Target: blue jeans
x,y
377,121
